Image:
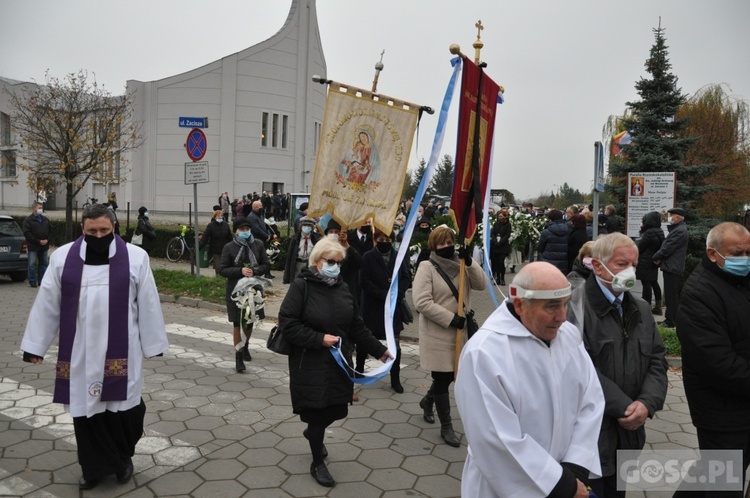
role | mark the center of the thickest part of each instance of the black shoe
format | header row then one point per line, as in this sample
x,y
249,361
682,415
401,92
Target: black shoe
x,y
239,365
246,352
125,474
502,282
33,284
270,276
324,451
396,385
321,474
84,484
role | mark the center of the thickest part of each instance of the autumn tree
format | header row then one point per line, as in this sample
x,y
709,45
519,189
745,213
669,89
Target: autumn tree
x,y
73,131
721,125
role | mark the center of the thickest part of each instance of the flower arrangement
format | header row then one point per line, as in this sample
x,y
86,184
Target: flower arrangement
x,y
526,229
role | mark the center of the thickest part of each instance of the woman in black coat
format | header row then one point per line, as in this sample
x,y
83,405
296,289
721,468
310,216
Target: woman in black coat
x,y
242,257
500,246
144,227
317,313
375,281
216,235
646,271
576,238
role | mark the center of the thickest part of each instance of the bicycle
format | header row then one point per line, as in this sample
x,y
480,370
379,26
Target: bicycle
x,y
90,201
178,246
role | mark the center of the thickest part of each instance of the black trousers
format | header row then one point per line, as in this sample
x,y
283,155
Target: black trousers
x,y
672,283
106,442
606,487
648,285
716,440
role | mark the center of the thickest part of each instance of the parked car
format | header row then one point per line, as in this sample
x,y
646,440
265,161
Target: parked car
x,y
14,254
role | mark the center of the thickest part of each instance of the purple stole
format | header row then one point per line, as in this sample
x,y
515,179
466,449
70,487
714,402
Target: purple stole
x,y
115,386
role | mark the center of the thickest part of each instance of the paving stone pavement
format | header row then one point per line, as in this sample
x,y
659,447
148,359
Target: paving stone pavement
x,y
213,432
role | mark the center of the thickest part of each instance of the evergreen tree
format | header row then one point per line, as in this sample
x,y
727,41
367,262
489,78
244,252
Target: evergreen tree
x,y
657,144
416,179
442,181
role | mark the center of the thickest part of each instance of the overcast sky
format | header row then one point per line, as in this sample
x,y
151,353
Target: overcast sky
x,y
566,66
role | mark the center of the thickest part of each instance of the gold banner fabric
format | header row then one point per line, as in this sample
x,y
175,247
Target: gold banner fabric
x,y
362,158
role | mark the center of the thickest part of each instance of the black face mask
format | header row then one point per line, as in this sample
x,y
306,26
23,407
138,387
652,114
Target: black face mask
x,y
365,229
383,247
99,245
446,252
424,229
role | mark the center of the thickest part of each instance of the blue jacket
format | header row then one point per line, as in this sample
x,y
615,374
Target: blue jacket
x,y
553,245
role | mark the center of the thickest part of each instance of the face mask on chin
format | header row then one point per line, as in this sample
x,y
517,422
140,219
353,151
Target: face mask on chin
x,y
622,281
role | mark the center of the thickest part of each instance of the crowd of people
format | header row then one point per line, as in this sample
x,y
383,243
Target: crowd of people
x,y
562,375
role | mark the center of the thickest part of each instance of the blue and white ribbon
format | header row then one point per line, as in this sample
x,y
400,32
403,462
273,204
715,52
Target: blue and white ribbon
x,y
392,296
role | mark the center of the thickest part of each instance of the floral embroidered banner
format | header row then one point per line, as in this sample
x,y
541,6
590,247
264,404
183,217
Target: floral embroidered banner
x,y
362,158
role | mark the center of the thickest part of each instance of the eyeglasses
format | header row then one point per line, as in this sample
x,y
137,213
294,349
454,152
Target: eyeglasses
x,y
333,262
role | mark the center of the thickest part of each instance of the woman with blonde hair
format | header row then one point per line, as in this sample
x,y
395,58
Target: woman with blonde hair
x,y
318,313
439,319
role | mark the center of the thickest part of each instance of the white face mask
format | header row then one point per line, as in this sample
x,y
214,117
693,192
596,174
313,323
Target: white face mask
x,y
623,280
333,236
40,212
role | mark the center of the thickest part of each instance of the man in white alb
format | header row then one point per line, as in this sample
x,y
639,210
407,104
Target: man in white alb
x,y
529,397
99,293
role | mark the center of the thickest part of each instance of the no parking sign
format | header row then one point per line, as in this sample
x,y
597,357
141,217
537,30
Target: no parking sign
x,y
197,145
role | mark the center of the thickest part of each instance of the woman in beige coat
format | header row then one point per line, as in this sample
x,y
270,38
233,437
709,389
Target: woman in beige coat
x,y
438,320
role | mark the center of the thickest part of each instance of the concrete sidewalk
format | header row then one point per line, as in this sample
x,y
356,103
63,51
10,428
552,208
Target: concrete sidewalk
x,y
213,432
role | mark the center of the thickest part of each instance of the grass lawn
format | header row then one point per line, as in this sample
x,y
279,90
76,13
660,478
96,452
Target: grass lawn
x,y
182,284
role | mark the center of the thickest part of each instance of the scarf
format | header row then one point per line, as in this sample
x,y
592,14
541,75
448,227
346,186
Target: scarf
x,y
245,248
115,386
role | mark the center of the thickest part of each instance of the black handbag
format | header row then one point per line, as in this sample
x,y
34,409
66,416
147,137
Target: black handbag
x,y
278,343
471,323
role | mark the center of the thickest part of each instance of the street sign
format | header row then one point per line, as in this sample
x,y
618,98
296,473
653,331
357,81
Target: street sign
x,y
196,172
193,122
197,145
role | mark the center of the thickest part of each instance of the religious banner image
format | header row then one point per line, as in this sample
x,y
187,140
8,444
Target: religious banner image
x,y
362,159
649,192
463,195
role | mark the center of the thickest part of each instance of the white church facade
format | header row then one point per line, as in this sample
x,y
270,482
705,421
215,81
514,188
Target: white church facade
x,y
263,114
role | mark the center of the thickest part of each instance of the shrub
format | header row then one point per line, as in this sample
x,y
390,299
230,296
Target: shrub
x,y
669,336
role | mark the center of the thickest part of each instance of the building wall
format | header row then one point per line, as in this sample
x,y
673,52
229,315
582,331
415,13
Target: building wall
x,y
274,77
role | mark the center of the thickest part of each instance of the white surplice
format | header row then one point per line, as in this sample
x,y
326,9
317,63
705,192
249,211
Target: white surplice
x,y
526,408
147,334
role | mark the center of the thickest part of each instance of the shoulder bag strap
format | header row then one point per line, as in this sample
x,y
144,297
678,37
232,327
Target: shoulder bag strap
x,y
447,280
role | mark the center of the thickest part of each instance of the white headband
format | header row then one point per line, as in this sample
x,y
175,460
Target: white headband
x,y
516,291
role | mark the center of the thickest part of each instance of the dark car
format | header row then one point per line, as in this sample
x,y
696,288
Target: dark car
x,y
14,255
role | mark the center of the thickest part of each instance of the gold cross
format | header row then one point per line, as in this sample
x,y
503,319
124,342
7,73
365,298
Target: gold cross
x,y
479,27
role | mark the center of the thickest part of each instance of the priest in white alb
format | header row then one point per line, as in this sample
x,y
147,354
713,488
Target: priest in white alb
x,y
529,397
99,294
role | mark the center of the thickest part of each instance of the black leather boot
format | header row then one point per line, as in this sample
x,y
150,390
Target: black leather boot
x,y
395,373
246,352
427,404
239,364
443,407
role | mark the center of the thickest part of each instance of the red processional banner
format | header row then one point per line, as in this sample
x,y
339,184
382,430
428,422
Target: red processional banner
x,y
467,195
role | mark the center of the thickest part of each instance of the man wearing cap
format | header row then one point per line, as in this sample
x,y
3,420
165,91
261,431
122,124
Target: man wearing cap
x,y
353,261
301,213
627,352
529,397
300,247
671,259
